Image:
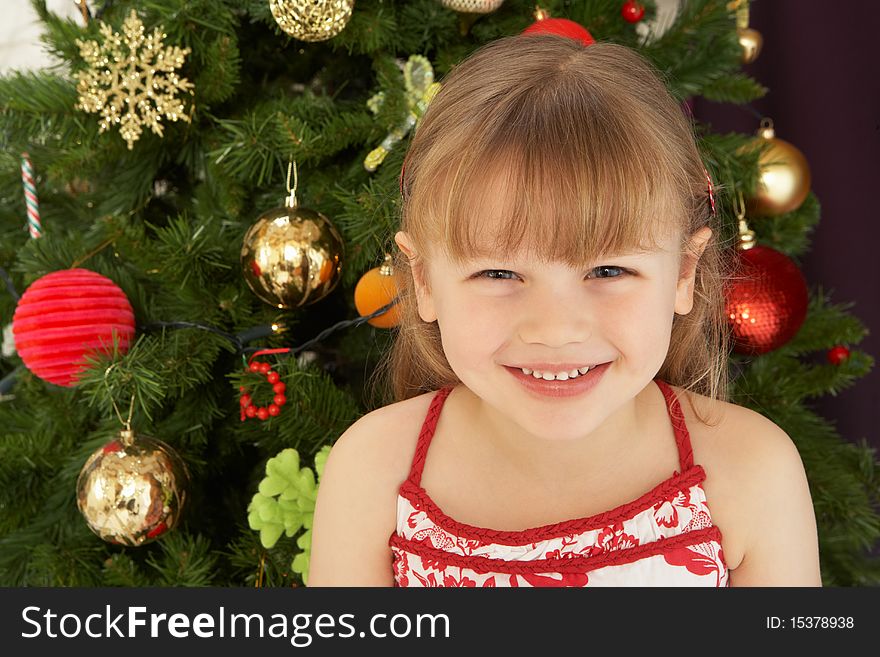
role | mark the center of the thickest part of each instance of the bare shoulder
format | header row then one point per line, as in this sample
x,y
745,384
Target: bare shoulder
x,y
726,434
356,506
757,489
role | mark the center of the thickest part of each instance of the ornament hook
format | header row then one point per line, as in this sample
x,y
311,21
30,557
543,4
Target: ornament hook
x,y
746,234
127,433
290,201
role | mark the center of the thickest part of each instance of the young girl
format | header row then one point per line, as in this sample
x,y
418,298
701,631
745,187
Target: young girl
x,y
560,363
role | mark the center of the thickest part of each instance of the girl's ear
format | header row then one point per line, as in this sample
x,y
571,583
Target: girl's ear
x,y
416,265
684,293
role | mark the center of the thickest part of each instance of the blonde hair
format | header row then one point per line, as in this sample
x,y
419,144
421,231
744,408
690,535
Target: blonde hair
x,y
588,148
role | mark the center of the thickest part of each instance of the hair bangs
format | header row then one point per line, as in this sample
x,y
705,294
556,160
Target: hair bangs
x,y
571,195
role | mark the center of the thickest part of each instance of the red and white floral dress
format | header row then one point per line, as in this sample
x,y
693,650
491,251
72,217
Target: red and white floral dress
x,y
663,538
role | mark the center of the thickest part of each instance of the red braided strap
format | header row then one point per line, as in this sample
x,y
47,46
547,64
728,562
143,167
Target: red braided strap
x,y
682,435
576,564
425,435
420,499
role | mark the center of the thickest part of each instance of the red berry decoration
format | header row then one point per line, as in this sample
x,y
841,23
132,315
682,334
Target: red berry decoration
x,y
767,301
632,11
248,408
838,354
66,315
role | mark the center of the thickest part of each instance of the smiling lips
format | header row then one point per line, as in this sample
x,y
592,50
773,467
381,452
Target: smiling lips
x,y
563,386
558,372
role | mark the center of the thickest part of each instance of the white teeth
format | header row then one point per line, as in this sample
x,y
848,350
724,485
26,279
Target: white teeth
x,y
559,376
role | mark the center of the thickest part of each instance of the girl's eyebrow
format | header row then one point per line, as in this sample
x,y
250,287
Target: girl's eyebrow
x,y
507,258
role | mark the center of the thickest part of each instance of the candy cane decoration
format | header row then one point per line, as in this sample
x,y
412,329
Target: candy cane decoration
x,y
30,197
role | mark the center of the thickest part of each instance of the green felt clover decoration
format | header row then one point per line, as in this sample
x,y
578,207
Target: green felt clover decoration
x,y
285,503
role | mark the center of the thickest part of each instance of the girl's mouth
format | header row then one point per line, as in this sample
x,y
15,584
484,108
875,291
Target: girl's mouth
x,y
572,387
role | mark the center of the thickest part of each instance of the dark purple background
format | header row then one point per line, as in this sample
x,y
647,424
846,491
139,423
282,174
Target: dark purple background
x,y
819,61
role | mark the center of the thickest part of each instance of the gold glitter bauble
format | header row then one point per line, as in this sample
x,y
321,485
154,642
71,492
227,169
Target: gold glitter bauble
x,y
292,256
750,41
472,6
132,490
312,20
784,180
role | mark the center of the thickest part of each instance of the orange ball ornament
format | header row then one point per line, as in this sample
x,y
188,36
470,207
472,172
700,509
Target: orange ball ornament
x,y
377,288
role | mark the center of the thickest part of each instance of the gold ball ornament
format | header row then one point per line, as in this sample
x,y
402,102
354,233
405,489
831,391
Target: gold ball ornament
x,y
292,256
312,20
472,6
377,288
784,178
132,490
750,41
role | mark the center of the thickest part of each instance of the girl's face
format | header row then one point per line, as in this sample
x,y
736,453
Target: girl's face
x,y
493,314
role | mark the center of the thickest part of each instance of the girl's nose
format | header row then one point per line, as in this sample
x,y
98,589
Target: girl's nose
x,y
555,320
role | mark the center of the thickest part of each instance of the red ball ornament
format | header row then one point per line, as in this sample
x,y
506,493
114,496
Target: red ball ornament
x,y
836,355
561,27
632,12
66,315
766,303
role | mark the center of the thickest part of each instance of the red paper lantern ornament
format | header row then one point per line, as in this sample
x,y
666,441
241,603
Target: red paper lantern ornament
x,y
766,302
66,315
560,26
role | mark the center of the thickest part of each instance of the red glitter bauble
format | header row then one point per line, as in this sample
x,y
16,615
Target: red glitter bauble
x,y
561,27
66,315
766,303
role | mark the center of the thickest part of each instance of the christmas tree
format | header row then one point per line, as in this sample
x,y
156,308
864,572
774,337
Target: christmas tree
x,y
211,189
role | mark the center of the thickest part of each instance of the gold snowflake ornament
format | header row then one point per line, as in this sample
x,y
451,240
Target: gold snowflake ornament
x,y
132,80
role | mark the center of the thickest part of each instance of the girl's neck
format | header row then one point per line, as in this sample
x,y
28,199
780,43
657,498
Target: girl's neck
x,y
592,455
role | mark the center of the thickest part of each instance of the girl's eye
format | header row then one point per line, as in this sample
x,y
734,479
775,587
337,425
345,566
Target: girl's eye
x,y
605,268
602,273
489,273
